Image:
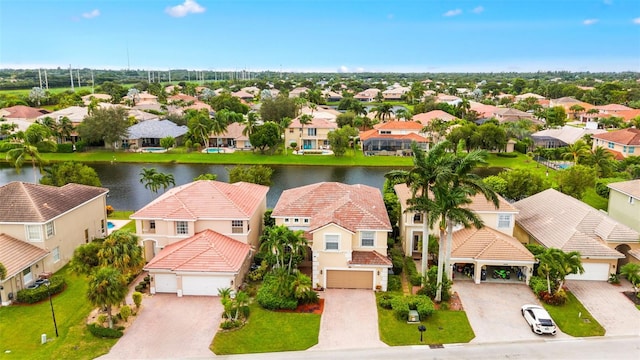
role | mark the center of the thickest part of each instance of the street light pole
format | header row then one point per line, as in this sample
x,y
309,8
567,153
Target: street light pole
x,y
53,314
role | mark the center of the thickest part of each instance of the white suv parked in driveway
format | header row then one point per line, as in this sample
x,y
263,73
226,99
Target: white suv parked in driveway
x,y
539,319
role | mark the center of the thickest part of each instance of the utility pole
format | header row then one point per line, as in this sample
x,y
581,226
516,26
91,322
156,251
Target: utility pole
x,y
93,83
46,81
40,77
78,76
71,77
169,76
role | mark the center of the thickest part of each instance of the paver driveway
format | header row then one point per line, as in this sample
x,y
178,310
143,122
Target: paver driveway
x,y
617,314
493,310
349,320
170,327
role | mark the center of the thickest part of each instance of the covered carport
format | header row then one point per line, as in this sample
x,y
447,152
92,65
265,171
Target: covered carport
x,y
476,253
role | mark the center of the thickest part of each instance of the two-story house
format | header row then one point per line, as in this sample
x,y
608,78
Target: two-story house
x,y
624,207
625,142
201,236
482,250
312,136
41,226
347,227
393,138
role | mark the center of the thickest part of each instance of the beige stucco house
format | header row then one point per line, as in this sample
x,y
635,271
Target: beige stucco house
x,y
313,136
488,248
623,143
624,206
194,235
555,220
347,227
41,226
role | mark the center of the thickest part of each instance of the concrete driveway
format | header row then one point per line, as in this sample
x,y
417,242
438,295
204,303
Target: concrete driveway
x,y
614,311
349,320
493,310
170,327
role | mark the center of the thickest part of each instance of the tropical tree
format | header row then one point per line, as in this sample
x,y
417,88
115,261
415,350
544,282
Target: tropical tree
x,y
64,128
200,125
603,161
60,174
358,108
283,247
404,114
555,265
206,177
283,125
149,179
121,251
576,109
133,95
575,180
255,174
85,258
339,139
250,123
109,125
36,94
576,151
631,271
165,180
304,119
27,145
266,136
383,111
107,287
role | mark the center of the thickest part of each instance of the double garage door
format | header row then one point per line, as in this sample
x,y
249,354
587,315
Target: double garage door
x,y
349,279
592,271
191,285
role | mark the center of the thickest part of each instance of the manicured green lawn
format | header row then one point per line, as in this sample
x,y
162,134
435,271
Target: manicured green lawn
x,y
443,327
566,317
124,215
22,325
269,331
594,200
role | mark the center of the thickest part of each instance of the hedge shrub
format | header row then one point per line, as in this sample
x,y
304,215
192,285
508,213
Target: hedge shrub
x,y
507,155
65,148
402,304
394,283
415,278
397,260
103,332
384,300
32,296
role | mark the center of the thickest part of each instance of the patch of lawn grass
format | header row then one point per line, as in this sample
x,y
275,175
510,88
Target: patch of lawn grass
x,y
594,200
120,215
638,307
566,317
269,331
22,325
443,327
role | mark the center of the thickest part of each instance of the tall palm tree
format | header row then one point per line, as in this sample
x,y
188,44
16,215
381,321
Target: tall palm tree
x,y
404,114
603,160
220,122
576,109
569,263
27,144
149,179
576,151
107,287
165,180
199,124
304,119
65,128
428,169
383,111
358,108
284,124
121,251
297,245
250,123
272,245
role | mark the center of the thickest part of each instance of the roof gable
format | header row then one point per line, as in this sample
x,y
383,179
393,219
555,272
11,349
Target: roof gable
x,y
488,244
627,136
16,255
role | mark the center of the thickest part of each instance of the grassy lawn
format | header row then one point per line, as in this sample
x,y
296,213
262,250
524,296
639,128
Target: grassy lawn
x,y
594,200
124,215
566,317
269,331
443,327
22,325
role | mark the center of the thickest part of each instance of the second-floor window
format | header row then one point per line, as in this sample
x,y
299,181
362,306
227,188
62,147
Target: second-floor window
x,y
311,131
34,232
504,221
50,229
152,224
237,226
182,228
332,242
417,218
367,238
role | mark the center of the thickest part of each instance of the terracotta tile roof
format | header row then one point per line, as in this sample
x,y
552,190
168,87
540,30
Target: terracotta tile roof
x,y
16,255
617,155
428,117
627,115
629,188
242,95
23,112
560,221
317,123
612,107
182,97
479,202
488,244
369,258
400,125
206,199
234,131
353,207
35,203
206,251
627,136
483,110
374,133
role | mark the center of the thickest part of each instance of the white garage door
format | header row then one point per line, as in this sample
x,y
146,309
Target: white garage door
x,y
166,283
592,271
204,285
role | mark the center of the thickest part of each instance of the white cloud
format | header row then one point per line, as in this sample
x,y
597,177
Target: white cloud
x,y
343,69
590,22
477,9
636,20
188,7
453,12
360,69
91,14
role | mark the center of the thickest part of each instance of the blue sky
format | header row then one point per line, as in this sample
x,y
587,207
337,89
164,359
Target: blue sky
x,y
316,35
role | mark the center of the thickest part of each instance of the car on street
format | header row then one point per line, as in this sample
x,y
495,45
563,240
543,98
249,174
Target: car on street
x,y
539,319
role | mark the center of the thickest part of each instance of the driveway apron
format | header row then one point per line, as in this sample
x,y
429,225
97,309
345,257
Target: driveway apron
x,y
606,303
493,310
170,327
349,320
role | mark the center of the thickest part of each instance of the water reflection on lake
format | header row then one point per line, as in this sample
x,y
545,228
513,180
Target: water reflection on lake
x,y
127,193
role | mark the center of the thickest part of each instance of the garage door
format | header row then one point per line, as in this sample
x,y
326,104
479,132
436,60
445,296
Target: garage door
x,y
345,279
166,283
204,285
592,271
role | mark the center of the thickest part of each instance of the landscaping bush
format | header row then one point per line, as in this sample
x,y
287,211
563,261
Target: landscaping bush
x,y
601,186
538,284
81,145
384,300
506,155
400,307
137,298
104,332
102,318
402,304
397,260
431,285
415,278
557,299
230,324
65,148
269,296
520,147
32,296
125,312
394,283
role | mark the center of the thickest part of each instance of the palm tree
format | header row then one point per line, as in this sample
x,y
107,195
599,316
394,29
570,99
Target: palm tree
x,y
631,271
121,251
428,169
220,122
358,108
297,245
149,179
576,151
569,263
602,159
35,136
272,246
284,124
107,287
304,119
65,128
545,267
404,114
199,124
576,109
250,123
240,302
165,180
383,111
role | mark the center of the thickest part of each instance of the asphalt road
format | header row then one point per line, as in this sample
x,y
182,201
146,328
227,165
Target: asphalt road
x,y
619,348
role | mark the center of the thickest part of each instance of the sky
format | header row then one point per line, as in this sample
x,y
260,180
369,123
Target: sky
x,y
322,35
